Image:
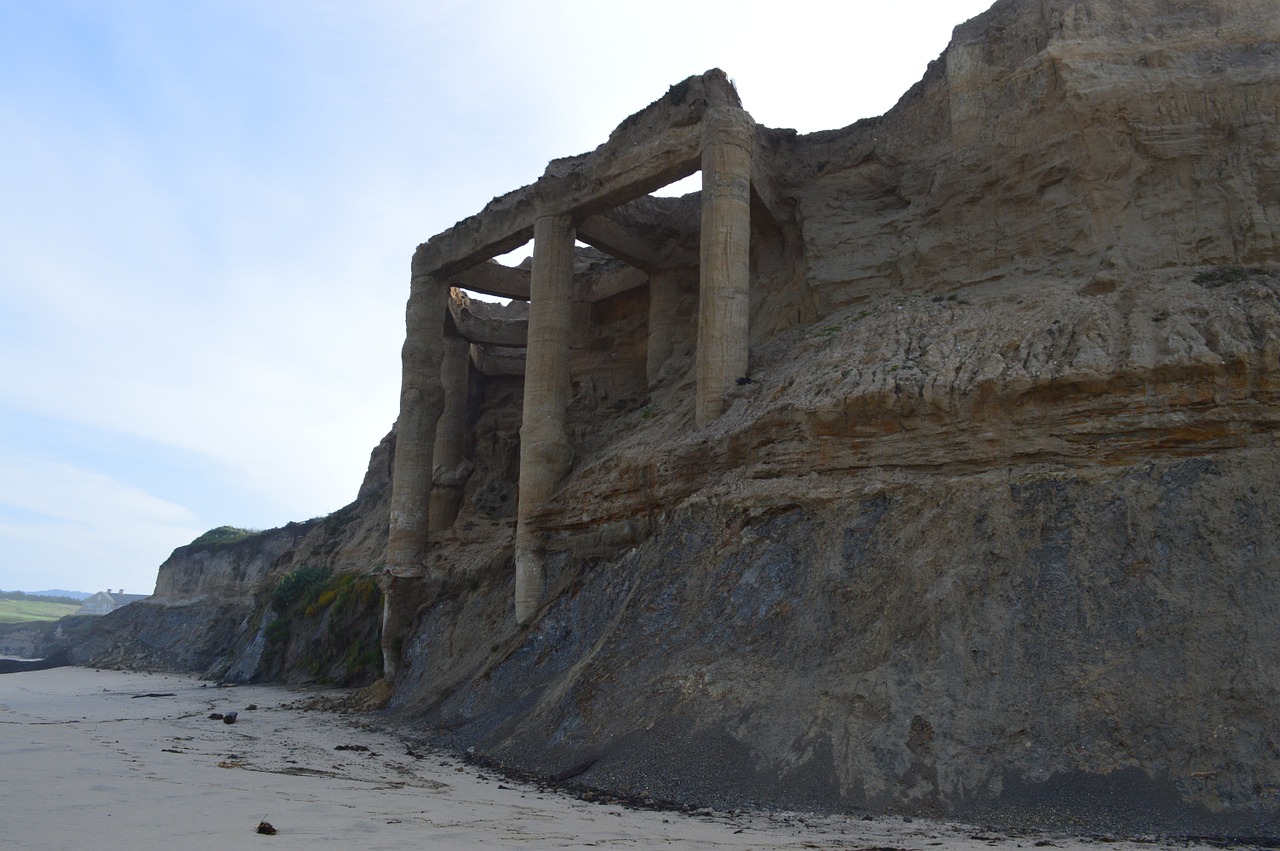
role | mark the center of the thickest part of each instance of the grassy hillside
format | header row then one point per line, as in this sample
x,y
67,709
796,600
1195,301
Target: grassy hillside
x,y
19,611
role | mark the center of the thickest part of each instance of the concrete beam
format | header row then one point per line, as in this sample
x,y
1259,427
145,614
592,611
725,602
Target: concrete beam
x,y
657,146
648,233
492,278
610,282
490,325
496,361
507,222
489,322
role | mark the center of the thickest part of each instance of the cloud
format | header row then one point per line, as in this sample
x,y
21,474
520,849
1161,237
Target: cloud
x,y
82,530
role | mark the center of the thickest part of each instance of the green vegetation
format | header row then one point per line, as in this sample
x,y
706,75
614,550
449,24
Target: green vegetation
x,y
361,658
336,615
346,591
22,611
298,587
277,631
223,535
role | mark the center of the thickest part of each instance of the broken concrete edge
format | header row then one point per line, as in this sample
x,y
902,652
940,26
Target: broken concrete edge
x,y
488,322
649,233
497,360
652,148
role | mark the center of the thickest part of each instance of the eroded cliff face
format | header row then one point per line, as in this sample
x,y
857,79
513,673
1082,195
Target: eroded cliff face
x,y
924,646
987,532
973,556
1054,137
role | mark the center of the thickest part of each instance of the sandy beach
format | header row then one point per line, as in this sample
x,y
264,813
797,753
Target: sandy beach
x,y
106,760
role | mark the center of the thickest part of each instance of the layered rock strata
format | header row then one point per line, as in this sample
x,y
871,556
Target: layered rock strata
x,y
1012,587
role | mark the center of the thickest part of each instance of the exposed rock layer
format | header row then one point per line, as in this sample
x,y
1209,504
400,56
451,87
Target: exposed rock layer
x,y
914,573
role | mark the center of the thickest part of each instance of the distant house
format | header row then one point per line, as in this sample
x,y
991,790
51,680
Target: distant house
x,y
108,601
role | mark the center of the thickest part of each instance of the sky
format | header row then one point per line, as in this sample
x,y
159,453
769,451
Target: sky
x,y
208,209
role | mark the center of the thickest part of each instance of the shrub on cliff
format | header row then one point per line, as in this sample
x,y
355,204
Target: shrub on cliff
x,y
326,630
297,586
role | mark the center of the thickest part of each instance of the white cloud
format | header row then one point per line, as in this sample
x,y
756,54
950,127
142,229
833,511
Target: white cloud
x,y
63,492
82,530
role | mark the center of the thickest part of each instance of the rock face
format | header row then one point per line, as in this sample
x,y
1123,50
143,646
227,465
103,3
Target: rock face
x,y
913,573
984,534
1073,139
988,530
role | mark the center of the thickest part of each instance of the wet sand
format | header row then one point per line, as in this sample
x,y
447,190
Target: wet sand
x,y
108,760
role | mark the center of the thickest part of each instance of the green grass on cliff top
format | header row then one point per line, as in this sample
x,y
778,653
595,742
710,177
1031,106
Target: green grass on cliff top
x,y
20,611
223,535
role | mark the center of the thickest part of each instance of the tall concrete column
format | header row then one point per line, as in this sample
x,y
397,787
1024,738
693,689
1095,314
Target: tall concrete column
x,y
664,294
545,452
451,466
724,298
421,402
401,596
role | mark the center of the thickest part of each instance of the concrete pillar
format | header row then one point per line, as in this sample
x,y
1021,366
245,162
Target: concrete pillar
x,y
545,452
451,465
402,594
664,295
724,297
421,402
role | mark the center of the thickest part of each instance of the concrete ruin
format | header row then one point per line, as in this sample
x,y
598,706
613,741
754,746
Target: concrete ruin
x,y
602,199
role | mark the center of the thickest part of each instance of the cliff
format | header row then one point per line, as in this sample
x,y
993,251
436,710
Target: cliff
x,y
294,604
986,532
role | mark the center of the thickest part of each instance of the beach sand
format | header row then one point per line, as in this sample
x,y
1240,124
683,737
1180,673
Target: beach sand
x,y
106,760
